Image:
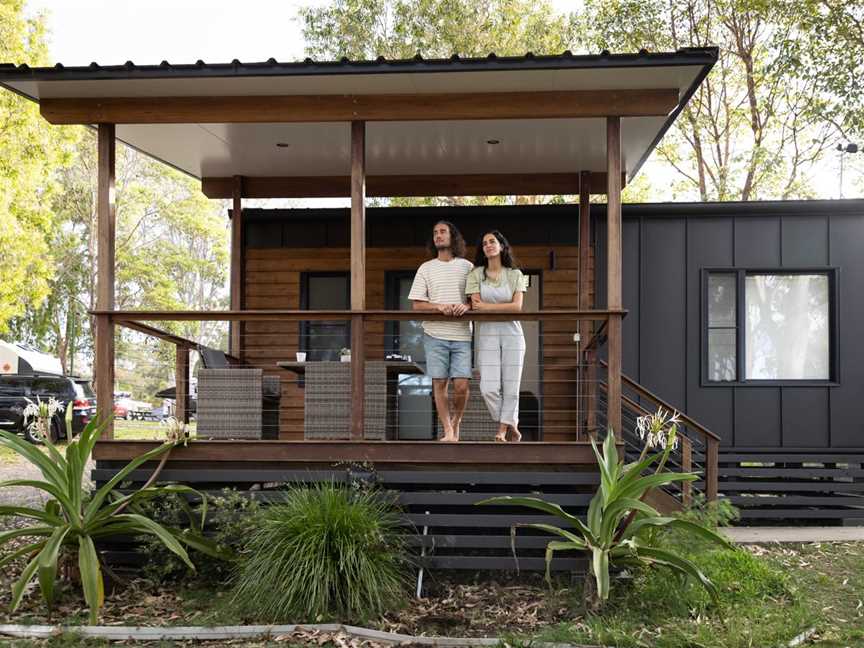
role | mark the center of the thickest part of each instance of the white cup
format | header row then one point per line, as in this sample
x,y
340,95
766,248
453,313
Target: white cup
x,y
301,356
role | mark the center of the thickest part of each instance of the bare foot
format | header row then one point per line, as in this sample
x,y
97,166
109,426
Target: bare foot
x,y
517,435
455,423
501,435
449,436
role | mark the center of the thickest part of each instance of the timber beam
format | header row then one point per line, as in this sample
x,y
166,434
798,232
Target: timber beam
x,y
346,108
486,184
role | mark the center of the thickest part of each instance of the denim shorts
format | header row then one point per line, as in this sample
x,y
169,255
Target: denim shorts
x,y
447,358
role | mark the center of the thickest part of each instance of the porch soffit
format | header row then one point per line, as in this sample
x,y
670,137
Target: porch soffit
x,y
430,147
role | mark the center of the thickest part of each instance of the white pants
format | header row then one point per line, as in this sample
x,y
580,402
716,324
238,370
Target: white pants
x,y
500,353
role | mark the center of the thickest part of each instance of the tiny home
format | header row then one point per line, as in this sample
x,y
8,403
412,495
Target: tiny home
x,y
306,286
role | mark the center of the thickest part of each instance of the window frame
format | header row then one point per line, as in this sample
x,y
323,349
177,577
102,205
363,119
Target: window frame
x,y
741,274
303,342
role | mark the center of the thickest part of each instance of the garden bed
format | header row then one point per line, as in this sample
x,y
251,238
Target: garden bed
x,y
811,585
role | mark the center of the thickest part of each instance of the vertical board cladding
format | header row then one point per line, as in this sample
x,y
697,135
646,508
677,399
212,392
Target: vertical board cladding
x,y
710,243
278,255
664,329
846,245
663,300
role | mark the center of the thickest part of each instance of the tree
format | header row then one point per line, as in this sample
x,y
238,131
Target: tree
x,y
171,253
366,29
30,152
749,132
824,47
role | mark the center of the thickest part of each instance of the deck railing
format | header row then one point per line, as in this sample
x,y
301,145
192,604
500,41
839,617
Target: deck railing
x,y
699,447
564,382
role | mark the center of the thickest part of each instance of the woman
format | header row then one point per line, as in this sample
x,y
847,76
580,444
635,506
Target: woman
x,y
496,285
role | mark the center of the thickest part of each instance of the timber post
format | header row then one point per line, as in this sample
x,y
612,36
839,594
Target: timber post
x,y
358,278
613,272
237,266
103,368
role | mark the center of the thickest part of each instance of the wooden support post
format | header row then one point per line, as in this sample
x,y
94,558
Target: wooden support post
x,y
686,466
587,383
711,468
181,380
103,368
358,277
237,263
614,299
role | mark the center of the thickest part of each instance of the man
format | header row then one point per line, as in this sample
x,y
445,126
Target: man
x,y
439,286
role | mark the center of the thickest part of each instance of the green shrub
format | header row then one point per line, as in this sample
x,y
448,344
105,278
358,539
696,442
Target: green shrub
x,y
229,522
326,552
75,517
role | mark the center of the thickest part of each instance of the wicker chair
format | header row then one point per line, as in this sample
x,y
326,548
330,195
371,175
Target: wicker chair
x,y
236,402
327,400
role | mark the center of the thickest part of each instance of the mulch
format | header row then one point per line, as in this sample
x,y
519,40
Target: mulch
x,y
475,605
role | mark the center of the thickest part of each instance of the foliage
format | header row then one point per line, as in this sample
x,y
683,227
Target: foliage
x,y
30,150
326,552
231,519
824,48
74,517
752,130
620,525
366,29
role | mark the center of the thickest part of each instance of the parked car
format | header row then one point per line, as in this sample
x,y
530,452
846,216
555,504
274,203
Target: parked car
x,y
16,389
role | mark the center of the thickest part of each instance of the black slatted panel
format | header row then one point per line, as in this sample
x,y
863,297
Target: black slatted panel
x,y
444,526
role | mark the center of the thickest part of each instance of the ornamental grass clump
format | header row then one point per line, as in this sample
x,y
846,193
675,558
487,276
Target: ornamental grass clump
x,y
326,553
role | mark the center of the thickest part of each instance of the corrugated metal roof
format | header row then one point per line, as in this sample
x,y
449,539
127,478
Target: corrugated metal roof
x,y
272,67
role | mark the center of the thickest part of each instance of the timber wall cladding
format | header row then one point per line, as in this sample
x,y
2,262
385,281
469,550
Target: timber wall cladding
x,y
272,281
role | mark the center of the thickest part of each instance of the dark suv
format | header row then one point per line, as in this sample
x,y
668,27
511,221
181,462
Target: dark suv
x,y
16,389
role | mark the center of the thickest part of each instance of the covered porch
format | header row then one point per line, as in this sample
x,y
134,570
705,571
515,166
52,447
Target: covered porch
x,y
523,126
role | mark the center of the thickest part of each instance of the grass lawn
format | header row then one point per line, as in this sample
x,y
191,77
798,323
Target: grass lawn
x,y
771,594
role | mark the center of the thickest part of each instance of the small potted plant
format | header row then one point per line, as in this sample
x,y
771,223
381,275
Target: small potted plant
x,y
345,355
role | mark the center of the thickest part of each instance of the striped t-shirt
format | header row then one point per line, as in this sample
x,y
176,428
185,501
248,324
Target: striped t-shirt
x,y
443,282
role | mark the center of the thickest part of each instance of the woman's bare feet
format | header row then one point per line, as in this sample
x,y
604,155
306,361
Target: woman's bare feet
x,y
517,435
501,435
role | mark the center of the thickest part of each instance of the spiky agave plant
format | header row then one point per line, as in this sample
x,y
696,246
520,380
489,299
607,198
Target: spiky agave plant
x,y
618,525
73,517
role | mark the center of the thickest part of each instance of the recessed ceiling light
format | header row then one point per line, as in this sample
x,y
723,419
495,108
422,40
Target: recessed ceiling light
x,y
493,141
282,144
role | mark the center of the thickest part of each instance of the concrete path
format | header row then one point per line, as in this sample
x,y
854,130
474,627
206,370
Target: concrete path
x,y
760,535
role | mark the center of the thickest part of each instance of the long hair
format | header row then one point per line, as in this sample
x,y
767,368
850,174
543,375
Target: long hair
x,y
508,259
457,243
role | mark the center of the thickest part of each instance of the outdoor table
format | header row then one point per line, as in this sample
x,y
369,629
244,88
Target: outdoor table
x,y
393,368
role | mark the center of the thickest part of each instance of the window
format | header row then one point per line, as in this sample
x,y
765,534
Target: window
x,y
325,291
768,326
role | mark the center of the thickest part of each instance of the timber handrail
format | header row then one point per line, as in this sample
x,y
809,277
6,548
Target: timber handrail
x,y
642,391
686,447
370,315
712,441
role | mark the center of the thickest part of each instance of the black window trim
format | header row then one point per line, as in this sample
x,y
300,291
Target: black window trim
x,y
303,342
741,273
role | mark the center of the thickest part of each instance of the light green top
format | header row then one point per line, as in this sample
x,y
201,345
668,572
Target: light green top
x,y
517,280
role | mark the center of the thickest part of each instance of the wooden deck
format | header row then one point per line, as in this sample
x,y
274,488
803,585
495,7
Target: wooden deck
x,y
418,453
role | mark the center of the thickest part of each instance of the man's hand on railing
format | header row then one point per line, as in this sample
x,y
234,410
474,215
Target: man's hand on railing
x,y
458,310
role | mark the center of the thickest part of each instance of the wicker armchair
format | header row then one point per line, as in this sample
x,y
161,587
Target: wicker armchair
x,y
236,402
327,400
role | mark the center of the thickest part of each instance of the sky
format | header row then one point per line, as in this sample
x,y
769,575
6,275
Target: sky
x,y
217,31
180,31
